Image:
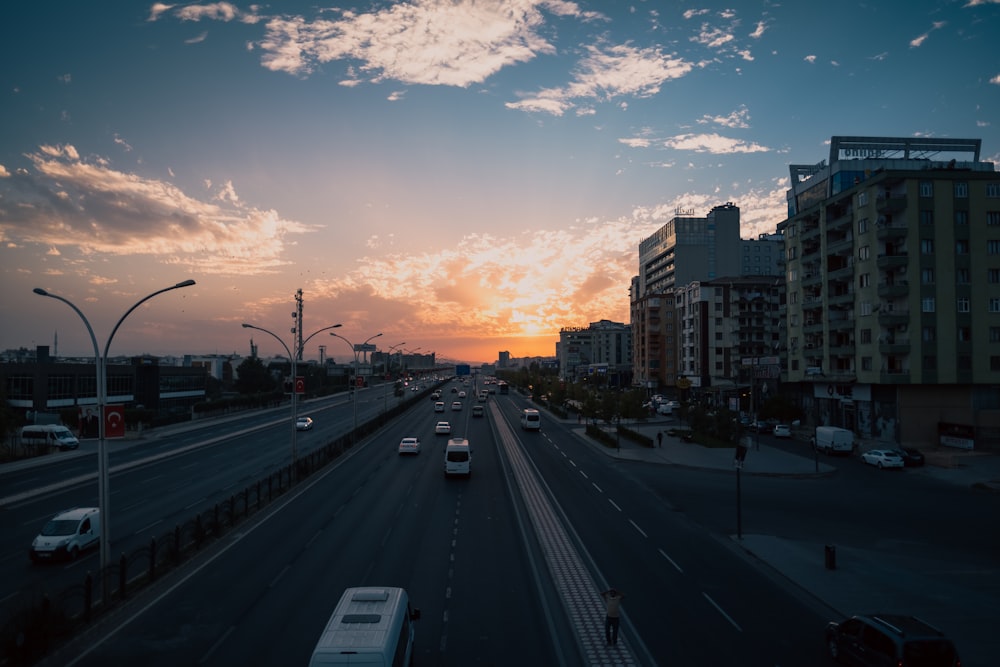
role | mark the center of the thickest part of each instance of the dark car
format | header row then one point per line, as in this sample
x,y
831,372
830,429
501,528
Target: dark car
x,y
910,456
889,639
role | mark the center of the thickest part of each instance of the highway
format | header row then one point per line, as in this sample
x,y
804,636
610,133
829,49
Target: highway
x,y
505,566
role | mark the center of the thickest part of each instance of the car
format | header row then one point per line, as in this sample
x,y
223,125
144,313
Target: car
x,y
461,394
439,406
303,424
910,456
478,411
67,535
409,445
882,458
889,639
442,428
457,405
761,427
782,431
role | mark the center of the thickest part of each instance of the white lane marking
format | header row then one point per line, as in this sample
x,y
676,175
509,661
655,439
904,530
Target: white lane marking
x,y
724,614
671,560
614,504
599,489
636,526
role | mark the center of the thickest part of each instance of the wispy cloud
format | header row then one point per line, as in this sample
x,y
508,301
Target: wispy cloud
x,y
69,201
737,119
918,41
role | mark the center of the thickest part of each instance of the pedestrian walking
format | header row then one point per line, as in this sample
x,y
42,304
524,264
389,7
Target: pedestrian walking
x,y
659,439
613,601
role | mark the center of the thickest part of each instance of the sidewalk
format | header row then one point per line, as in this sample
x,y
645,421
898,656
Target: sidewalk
x,y
959,598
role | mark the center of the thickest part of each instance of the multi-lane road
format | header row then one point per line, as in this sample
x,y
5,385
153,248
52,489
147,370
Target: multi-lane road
x,y
505,566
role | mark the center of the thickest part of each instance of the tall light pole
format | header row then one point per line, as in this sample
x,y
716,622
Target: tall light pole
x,y
295,390
402,359
356,349
103,481
385,389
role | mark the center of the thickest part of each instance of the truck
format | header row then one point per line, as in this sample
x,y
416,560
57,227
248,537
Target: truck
x,y
833,440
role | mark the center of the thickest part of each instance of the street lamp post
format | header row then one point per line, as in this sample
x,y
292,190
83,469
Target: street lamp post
x,y
356,349
385,389
103,481
295,392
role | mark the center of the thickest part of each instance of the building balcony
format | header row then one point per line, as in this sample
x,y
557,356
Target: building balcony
x,y
895,377
893,318
813,277
842,273
892,261
893,204
896,289
840,246
813,326
897,346
847,298
809,232
842,350
886,232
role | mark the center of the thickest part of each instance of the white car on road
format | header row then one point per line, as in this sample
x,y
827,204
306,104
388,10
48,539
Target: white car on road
x,y
883,458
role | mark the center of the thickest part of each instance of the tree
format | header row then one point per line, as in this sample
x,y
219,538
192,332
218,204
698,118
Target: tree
x,y
253,378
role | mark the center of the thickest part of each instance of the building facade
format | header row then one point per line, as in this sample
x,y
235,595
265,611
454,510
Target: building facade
x,y
602,349
893,290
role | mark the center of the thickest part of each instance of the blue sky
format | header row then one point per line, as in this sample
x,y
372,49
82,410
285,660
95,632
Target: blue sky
x,y
463,177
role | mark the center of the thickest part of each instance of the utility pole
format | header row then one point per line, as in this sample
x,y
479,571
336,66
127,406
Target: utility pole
x,y
298,325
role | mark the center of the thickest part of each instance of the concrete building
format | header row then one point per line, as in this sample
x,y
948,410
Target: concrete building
x,y
685,250
603,349
893,290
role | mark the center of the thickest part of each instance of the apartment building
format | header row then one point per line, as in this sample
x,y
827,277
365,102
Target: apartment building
x,y
602,349
893,290
684,250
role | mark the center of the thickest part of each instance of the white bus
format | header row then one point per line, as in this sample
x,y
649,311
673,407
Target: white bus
x,y
370,626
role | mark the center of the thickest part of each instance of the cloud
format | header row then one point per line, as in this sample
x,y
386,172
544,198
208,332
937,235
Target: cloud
x,y
810,59
197,39
759,30
67,201
995,80
736,119
607,72
918,41
431,42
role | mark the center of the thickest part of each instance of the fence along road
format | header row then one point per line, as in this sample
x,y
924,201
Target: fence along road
x,y
578,592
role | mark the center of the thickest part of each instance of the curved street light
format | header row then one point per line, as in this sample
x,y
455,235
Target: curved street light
x,y
295,392
103,482
356,349
385,382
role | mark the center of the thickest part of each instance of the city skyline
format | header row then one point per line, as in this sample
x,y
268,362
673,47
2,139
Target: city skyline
x,y
463,177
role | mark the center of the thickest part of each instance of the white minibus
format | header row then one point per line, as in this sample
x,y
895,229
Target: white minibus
x,y
372,625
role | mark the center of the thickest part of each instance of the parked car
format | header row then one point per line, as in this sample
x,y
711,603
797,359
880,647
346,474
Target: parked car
x,y
910,456
882,458
409,446
782,431
889,639
303,424
442,428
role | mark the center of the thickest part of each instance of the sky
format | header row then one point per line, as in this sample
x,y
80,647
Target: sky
x,y
464,177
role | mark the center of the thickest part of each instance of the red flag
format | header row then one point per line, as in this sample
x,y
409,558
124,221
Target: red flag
x,y
114,421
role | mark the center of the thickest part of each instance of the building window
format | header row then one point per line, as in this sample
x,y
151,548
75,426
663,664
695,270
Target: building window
x,y
928,334
866,336
866,308
926,189
927,276
993,218
962,276
993,276
791,254
927,304
793,297
864,280
995,363
926,217
961,218
964,334
995,334
963,304
866,363
961,190
993,247
993,190
927,246
864,252
929,362
862,199
995,304
862,225
962,247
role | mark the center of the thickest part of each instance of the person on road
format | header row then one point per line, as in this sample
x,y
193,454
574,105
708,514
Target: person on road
x,y
613,600
659,439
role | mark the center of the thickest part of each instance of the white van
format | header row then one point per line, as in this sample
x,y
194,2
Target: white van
x,y
531,420
458,457
53,436
370,626
67,535
832,440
